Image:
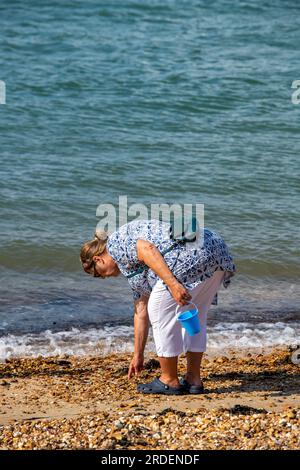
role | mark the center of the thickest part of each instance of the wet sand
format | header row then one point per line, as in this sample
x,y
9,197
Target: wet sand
x,y
251,402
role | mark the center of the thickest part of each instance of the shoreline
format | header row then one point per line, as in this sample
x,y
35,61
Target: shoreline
x,y
251,402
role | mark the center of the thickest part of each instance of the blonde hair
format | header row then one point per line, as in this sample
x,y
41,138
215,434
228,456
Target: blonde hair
x,y
93,248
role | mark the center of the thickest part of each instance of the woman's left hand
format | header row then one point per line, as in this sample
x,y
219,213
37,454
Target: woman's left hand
x,y
136,365
180,293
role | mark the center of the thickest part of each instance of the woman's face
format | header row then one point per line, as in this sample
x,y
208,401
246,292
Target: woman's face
x,y
105,266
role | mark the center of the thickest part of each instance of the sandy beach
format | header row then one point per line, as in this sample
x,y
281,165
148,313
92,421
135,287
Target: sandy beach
x,y
251,402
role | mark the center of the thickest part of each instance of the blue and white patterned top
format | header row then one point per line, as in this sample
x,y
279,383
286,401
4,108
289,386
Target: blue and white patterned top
x,y
189,266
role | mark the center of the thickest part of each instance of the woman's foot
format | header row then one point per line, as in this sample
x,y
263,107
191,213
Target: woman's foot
x,y
193,380
159,387
192,388
171,381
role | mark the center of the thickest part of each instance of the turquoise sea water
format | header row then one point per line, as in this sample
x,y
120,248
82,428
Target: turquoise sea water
x,y
159,101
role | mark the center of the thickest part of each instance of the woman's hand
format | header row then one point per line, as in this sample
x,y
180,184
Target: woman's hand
x,y
179,293
150,255
136,365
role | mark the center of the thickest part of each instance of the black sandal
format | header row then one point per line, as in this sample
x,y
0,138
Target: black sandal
x,y
158,387
193,389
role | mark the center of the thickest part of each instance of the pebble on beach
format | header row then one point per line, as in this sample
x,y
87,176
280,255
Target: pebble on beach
x,y
125,419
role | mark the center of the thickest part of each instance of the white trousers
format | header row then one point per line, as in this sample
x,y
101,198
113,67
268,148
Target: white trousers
x,y
169,337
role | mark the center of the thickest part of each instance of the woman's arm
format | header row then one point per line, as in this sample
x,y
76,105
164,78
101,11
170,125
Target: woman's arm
x,y
141,325
141,329
150,255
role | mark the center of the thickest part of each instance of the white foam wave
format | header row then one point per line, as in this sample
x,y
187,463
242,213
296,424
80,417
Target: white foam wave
x,y
74,342
221,337
249,336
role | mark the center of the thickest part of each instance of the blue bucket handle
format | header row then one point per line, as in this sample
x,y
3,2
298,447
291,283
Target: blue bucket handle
x,y
179,306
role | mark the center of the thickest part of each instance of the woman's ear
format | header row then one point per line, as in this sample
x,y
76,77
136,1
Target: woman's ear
x,y
97,258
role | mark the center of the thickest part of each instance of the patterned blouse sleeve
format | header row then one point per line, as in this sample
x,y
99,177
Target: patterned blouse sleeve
x,y
139,286
122,248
